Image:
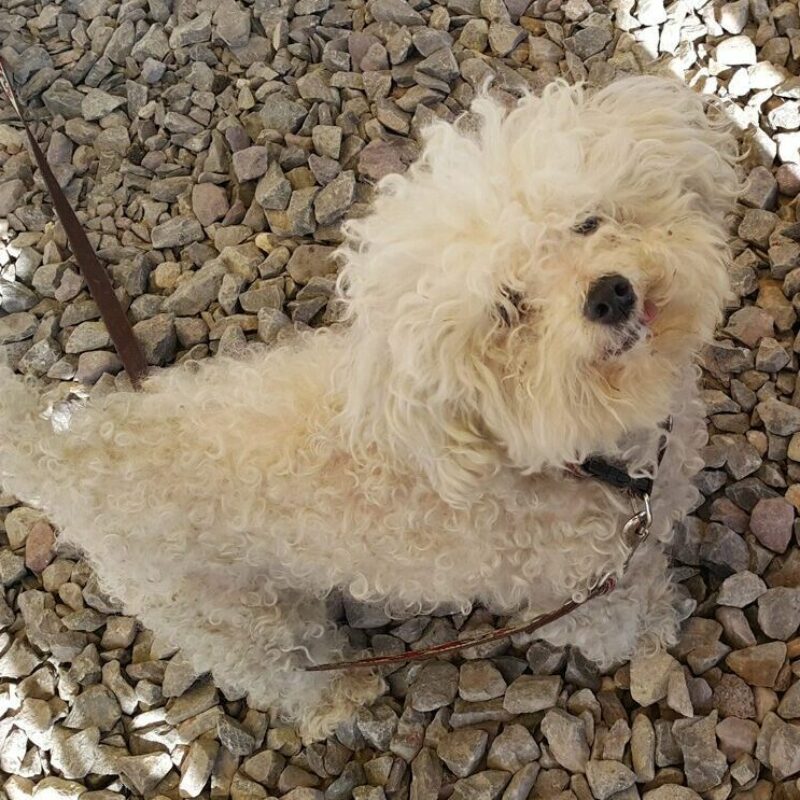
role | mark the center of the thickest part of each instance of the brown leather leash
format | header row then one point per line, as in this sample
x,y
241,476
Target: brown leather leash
x,y
608,585
95,275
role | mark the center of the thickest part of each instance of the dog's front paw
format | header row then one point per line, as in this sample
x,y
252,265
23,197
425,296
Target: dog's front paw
x,y
340,701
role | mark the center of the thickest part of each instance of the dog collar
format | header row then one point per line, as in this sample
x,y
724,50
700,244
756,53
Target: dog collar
x,y
634,532
614,475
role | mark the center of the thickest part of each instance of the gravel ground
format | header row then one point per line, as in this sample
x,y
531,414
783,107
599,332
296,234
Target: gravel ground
x,y
213,148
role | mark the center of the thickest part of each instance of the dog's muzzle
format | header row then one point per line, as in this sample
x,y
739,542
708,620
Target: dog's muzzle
x,y
611,300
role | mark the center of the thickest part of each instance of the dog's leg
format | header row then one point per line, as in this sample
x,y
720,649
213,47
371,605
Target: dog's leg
x,y
640,616
191,583
256,638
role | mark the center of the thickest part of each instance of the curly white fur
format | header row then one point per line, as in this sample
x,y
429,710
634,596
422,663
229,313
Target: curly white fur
x,y
415,457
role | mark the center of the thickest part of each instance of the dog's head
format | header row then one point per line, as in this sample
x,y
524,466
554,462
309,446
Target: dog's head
x,y
531,288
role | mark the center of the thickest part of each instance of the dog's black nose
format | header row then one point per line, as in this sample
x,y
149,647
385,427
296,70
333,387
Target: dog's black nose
x,y
611,300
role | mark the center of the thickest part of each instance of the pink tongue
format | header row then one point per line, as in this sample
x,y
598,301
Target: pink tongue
x,y
649,312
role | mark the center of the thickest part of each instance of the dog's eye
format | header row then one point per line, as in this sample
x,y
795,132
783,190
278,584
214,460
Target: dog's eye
x,y
513,299
589,225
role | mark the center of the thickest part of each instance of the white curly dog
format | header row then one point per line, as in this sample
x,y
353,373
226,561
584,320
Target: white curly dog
x,y
532,291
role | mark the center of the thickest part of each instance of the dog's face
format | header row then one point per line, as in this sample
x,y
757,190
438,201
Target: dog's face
x,y
530,290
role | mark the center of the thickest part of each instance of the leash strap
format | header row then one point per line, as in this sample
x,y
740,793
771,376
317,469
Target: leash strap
x,y
608,585
95,275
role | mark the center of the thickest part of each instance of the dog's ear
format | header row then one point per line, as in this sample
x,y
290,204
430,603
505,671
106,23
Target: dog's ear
x,y
678,133
410,401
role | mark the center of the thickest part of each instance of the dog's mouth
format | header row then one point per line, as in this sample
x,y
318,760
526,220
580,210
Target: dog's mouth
x,y
633,332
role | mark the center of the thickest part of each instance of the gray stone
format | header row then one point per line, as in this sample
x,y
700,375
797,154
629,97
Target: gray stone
x,y
546,659
273,190
250,162
232,24
750,324
309,261
265,767
521,783
197,766
145,772
788,178
74,754
512,749
16,297
234,737
741,589
379,159
784,256
486,785
736,50
566,738
335,199
462,750
192,31
20,659
209,203
779,612
157,338
589,41
40,358
480,680
17,327
723,551
152,45
96,707
528,694
11,194
771,356
271,322
761,191
426,775
282,114
87,336
650,677
98,104
397,11
441,65
606,778
784,751
121,42
94,364
435,686
703,763
298,219
757,225
176,232
195,294
504,37
63,99
772,519
378,725
344,787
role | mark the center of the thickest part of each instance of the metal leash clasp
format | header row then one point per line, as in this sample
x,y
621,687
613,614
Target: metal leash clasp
x,y
639,524
635,531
